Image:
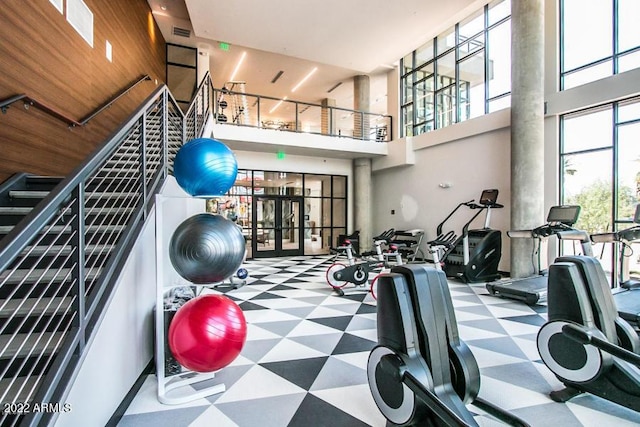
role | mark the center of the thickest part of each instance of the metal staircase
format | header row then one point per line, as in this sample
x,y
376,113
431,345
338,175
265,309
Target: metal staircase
x,y
64,240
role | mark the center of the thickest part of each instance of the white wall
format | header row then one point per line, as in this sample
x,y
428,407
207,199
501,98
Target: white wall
x,y
468,164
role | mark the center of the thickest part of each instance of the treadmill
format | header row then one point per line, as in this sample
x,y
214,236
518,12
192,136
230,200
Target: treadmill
x,y
532,290
627,293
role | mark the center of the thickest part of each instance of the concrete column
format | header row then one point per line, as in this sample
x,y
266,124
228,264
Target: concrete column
x,y
361,102
362,201
527,129
326,124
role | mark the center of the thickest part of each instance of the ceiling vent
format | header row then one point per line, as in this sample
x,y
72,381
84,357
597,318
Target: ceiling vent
x,y
181,32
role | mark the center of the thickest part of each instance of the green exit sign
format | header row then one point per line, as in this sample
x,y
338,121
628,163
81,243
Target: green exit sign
x,y
280,155
224,46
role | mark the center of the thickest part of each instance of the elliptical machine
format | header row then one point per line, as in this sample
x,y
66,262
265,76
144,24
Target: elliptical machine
x,y
579,343
422,373
474,256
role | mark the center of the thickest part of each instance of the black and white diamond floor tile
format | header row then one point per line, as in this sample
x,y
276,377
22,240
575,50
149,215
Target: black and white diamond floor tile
x,y
304,361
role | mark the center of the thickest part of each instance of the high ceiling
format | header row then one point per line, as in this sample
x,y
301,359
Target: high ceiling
x,y
341,38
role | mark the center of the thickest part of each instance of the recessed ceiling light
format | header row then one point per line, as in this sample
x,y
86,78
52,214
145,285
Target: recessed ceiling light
x,y
235,71
301,82
163,7
277,105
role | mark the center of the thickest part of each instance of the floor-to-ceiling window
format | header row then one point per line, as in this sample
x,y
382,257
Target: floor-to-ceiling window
x,y
599,38
462,73
285,213
600,171
600,149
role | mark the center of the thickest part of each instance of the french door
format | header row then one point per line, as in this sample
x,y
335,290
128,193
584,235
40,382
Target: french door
x,y
277,226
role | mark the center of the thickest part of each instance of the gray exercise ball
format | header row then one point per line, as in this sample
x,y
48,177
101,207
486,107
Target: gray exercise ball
x,y
207,248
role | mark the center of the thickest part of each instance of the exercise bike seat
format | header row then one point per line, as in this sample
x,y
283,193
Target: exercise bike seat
x,y
579,294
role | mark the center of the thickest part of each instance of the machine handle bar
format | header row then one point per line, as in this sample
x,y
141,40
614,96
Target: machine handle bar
x,y
584,336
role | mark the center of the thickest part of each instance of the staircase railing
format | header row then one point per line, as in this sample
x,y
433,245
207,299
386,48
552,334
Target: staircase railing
x,y
30,101
64,257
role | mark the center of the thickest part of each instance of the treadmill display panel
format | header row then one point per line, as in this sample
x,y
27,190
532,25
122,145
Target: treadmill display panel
x,y
567,214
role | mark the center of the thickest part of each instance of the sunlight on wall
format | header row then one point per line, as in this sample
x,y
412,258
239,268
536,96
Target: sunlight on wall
x,y
409,207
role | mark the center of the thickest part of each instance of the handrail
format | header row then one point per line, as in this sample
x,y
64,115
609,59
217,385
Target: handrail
x,y
310,104
115,98
31,101
155,130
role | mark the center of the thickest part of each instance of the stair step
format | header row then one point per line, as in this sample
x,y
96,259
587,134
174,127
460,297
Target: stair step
x,y
57,229
23,344
27,194
62,250
26,384
40,179
15,210
25,210
44,276
37,306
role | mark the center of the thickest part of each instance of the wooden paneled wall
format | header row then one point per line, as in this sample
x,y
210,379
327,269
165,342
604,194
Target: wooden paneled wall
x,y
42,55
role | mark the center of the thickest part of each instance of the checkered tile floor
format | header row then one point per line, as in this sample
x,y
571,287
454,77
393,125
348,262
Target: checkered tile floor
x,y
304,362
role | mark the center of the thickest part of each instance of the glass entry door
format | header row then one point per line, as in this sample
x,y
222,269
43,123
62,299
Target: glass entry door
x,y
277,226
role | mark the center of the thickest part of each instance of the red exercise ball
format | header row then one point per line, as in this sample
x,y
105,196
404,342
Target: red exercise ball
x,y
207,333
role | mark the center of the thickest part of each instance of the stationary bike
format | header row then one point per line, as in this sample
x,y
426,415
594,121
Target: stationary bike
x,y
422,373
585,343
437,248
392,254
356,271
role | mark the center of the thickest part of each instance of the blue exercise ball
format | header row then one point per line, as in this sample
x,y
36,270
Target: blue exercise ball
x,y
206,248
205,167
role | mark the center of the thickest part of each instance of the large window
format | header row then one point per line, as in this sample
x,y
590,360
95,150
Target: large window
x,y
599,38
464,72
600,171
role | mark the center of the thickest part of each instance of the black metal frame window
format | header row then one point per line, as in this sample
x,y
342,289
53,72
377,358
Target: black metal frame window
x,y
460,74
600,169
324,199
597,39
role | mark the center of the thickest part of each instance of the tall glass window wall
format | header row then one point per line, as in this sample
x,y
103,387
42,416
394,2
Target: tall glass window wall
x,y
599,38
284,213
600,171
464,72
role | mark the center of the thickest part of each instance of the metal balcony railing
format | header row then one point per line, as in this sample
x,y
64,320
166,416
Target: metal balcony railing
x,y
245,109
